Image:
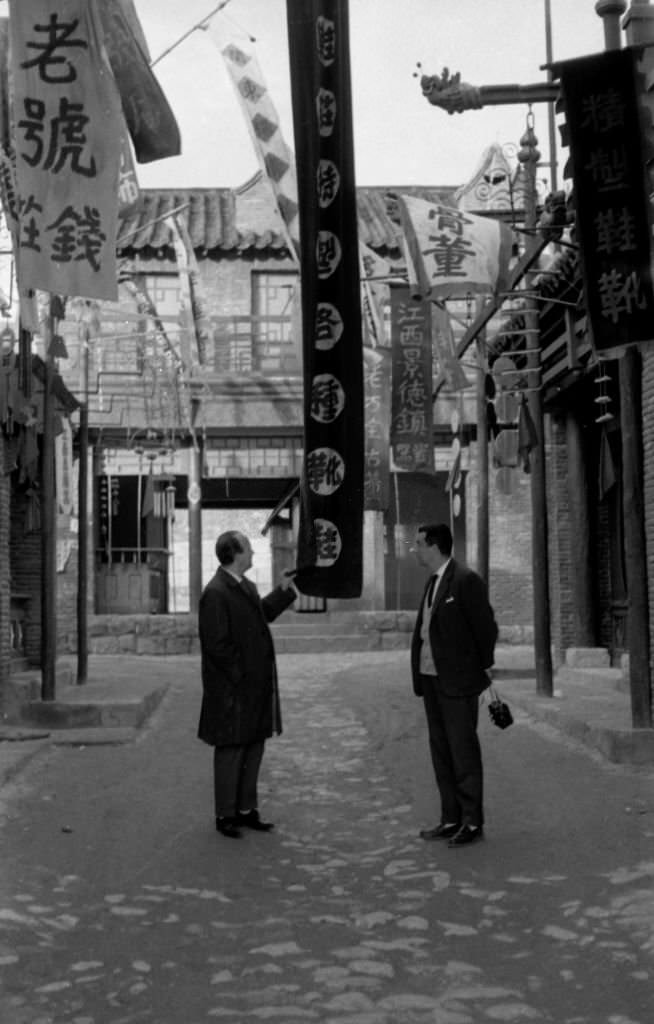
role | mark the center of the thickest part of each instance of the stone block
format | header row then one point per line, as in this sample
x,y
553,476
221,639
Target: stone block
x,y
587,657
104,645
406,621
176,645
149,645
395,641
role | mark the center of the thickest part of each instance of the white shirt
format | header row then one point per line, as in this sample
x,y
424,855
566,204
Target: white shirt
x,y
427,667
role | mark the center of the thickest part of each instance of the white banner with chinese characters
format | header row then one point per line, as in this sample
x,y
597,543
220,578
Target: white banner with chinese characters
x,y
67,117
450,253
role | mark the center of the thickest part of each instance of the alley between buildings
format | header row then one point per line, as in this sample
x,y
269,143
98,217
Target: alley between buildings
x,y
119,903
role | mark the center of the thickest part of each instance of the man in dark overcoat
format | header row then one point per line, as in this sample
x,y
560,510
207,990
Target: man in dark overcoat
x,y
452,652
240,702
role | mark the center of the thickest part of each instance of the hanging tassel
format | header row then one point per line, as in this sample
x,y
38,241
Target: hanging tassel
x,y
527,435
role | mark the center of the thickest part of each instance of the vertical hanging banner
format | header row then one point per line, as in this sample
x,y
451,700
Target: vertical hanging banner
x,y
151,122
331,489
375,294
274,155
377,392
411,399
444,350
194,322
67,119
600,98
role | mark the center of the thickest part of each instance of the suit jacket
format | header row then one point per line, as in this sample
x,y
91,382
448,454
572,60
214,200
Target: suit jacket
x,y
240,701
462,633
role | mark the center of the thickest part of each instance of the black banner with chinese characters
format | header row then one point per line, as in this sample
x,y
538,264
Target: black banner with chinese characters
x,y
411,401
330,538
603,121
377,391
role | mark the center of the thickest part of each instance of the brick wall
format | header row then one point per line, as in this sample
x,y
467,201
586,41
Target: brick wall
x,y
5,577
648,459
510,583
25,561
26,573
558,517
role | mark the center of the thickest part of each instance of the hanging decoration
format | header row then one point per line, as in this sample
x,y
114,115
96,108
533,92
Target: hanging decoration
x,y
602,399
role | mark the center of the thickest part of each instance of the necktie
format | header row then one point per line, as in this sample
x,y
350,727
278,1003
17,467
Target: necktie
x,y
432,589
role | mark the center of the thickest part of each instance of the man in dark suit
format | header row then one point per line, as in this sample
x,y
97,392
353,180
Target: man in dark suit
x,y
240,702
452,651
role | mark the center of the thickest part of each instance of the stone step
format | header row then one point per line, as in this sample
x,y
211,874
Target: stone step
x,y
72,711
323,643
570,676
587,657
315,627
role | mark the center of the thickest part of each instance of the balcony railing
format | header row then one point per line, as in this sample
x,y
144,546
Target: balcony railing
x,y
253,344
236,345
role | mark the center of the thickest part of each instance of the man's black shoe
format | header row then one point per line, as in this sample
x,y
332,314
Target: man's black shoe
x,y
439,832
466,834
227,827
251,819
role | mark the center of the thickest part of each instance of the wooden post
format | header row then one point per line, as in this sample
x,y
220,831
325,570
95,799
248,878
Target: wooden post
x,y
83,517
195,525
483,545
634,538
581,561
539,526
48,529
630,371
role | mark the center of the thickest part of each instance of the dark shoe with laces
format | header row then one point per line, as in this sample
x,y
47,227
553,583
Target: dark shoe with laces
x,y
228,827
441,831
466,834
251,819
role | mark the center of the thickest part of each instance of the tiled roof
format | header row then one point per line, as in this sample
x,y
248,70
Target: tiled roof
x,y
209,214
223,219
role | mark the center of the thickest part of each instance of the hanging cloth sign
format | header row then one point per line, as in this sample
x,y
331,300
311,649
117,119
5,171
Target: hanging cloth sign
x,y
377,379
151,122
411,400
450,252
331,488
67,134
600,99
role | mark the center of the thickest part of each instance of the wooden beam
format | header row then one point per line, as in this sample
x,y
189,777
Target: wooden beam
x,y
524,264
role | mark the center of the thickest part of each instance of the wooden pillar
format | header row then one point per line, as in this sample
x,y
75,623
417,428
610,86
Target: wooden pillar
x,y
483,533
630,369
528,156
195,524
48,531
634,538
83,543
581,561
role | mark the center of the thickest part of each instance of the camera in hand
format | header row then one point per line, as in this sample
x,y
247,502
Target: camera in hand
x,y
500,713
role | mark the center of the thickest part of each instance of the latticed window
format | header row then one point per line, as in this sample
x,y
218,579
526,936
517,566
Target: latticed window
x,y
276,341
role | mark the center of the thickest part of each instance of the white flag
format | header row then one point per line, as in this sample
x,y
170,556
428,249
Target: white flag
x,y
451,253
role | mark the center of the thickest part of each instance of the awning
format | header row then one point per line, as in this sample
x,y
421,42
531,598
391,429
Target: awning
x,y
283,502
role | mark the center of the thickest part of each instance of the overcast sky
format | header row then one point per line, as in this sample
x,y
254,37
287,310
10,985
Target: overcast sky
x,y
399,137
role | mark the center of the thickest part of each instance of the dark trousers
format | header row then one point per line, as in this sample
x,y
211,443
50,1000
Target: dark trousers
x,y
455,753
235,777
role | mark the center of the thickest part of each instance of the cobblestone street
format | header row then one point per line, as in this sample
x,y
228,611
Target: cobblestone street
x,y
119,903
